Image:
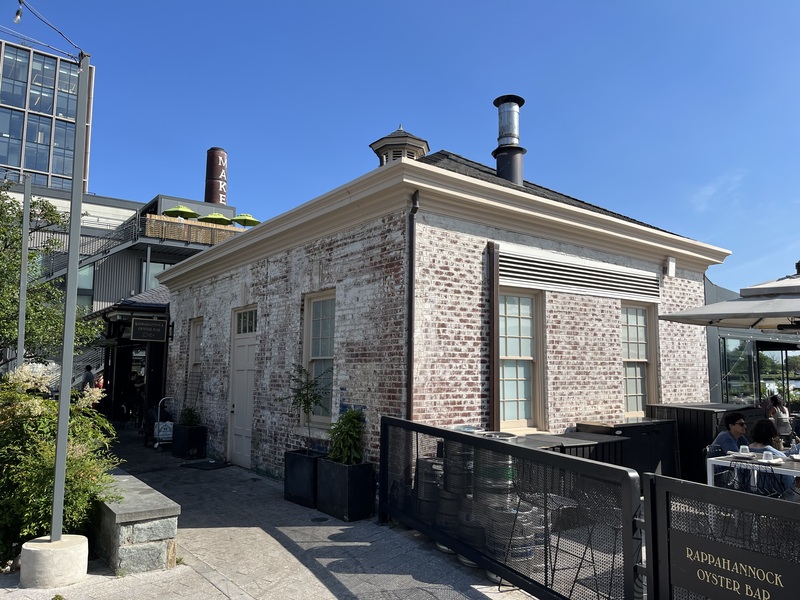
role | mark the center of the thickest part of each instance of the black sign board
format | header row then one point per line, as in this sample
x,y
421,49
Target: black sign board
x,y
721,571
148,330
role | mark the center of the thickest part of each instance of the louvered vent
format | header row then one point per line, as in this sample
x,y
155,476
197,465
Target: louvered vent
x,y
547,274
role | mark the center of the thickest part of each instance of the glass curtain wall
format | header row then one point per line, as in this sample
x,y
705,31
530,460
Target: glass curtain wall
x,y
753,370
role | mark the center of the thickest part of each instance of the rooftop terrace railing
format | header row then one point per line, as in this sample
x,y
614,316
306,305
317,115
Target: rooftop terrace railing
x,y
136,228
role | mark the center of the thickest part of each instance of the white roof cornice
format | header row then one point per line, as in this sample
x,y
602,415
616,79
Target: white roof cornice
x,y
388,189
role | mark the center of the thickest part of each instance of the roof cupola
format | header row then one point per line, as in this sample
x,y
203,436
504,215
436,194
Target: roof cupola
x,y
399,144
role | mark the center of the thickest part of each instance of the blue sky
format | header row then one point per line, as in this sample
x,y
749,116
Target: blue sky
x,y
679,113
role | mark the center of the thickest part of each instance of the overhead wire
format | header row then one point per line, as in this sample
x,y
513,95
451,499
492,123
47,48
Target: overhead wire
x,y
33,41
29,41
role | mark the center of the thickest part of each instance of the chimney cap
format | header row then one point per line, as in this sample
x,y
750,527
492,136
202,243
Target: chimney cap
x,y
519,100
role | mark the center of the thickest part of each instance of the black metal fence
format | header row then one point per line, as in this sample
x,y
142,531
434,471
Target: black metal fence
x,y
707,542
555,525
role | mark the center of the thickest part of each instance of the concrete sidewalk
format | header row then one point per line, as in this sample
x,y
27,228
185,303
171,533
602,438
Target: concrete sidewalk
x,y
238,538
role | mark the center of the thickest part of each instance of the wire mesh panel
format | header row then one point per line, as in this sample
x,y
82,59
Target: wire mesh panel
x,y
557,526
709,542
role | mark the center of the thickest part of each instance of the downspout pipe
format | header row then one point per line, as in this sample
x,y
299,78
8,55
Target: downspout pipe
x,y
411,304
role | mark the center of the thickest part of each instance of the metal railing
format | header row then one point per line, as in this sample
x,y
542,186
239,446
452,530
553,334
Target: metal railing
x,y
135,228
555,525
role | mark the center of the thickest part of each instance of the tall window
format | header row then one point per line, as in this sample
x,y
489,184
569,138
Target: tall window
x,y
634,356
67,98
63,147
86,286
15,77
43,84
37,143
321,311
155,269
517,360
11,122
196,342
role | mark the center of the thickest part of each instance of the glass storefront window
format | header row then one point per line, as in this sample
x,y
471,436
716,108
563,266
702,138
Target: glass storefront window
x,y
739,381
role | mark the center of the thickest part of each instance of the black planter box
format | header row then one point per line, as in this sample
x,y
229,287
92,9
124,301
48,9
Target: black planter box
x,y
189,441
300,477
346,492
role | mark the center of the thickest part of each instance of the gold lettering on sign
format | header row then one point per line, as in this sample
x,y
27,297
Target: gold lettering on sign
x,y
742,569
737,568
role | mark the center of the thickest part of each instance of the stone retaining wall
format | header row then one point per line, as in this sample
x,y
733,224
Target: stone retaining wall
x,y
136,533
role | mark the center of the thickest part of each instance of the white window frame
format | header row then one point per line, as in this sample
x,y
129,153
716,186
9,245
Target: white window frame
x,y
319,349
195,342
645,358
533,360
246,321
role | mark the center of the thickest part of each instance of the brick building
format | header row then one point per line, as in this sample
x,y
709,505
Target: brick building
x,y
440,290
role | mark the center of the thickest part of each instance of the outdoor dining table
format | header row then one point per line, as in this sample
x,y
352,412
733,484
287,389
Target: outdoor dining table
x,y
787,467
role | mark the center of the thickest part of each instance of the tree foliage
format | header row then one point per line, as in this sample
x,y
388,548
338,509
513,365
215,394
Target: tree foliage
x,y
28,432
44,318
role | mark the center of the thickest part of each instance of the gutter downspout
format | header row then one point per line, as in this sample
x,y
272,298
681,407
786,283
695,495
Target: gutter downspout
x,y
411,304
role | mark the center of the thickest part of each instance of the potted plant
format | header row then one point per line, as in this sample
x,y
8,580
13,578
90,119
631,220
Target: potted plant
x,y
345,484
300,466
189,435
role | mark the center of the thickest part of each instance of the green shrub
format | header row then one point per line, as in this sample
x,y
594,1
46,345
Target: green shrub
x,y
190,417
346,433
28,431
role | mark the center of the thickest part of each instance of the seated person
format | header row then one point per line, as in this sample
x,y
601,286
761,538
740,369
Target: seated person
x,y
726,441
764,435
733,436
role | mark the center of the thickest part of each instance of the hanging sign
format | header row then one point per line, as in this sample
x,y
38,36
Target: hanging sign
x,y
148,330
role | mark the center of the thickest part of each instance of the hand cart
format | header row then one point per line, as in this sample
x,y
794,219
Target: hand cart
x,y
162,430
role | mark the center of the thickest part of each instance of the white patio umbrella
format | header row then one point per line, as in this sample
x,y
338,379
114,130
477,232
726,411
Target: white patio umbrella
x,y
770,306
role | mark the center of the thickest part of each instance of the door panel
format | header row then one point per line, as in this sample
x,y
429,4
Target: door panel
x,y
242,386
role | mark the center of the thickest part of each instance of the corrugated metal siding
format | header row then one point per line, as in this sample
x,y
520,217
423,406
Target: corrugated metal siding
x,y
115,277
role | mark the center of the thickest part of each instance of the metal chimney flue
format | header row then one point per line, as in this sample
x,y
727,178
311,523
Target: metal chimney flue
x,y
509,153
216,176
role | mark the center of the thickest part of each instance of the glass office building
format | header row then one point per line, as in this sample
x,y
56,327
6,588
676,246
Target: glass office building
x,y
38,106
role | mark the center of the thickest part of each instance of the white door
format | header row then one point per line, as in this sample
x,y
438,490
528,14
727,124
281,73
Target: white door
x,y
242,387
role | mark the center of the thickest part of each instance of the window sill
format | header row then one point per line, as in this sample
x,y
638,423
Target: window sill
x,y
318,432
521,431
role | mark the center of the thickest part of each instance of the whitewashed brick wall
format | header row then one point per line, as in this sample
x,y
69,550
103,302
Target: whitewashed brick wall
x,y
684,348
367,268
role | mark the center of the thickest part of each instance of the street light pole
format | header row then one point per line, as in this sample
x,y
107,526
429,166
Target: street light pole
x,y
71,305
23,272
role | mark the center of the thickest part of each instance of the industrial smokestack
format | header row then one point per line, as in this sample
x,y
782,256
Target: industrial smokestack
x,y
216,176
509,152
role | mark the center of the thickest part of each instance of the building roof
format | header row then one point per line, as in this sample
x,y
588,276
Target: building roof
x,y
152,300
458,164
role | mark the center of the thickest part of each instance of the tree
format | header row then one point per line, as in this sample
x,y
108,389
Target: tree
x,y
44,317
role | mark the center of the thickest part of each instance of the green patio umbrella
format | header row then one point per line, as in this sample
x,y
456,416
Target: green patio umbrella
x,y
246,220
181,211
215,217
